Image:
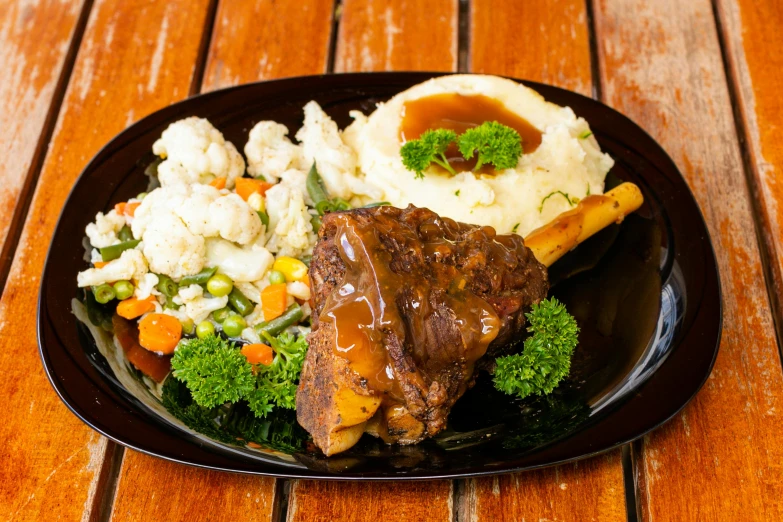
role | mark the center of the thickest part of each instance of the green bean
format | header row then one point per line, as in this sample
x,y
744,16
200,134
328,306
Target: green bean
x,y
198,279
239,302
264,217
306,260
112,252
103,293
377,204
123,289
315,186
125,234
220,315
141,196
275,327
316,222
166,286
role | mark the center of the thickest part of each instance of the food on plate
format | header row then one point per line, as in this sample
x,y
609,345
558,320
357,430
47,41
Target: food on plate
x,y
335,273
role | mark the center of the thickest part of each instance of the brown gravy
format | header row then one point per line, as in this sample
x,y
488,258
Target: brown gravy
x,y
460,113
384,300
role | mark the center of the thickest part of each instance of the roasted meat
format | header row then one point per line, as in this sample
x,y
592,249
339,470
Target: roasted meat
x,y
405,304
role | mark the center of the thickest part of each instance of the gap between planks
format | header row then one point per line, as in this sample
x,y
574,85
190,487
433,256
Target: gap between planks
x,y
36,165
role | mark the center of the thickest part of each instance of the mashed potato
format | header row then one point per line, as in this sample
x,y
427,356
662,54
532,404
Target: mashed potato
x,y
568,160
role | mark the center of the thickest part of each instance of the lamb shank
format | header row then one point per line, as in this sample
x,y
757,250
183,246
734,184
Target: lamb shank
x,y
405,304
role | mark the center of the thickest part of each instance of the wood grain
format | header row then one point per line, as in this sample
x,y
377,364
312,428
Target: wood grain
x,y
587,490
177,492
541,41
392,35
251,41
545,42
720,459
754,48
53,460
266,39
34,41
313,501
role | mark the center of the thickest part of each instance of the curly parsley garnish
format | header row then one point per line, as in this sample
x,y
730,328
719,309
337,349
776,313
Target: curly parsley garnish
x,y
545,359
429,148
492,143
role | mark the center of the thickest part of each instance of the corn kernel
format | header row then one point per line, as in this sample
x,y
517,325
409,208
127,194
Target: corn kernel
x,y
293,269
256,202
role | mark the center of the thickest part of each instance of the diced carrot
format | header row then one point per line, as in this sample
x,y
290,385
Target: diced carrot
x,y
160,333
258,354
151,364
130,208
219,182
273,301
246,187
100,264
132,308
306,280
120,207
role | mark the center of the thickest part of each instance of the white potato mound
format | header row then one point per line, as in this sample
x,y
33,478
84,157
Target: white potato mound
x,y
512,199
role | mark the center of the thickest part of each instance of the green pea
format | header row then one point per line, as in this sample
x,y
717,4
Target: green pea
x,y
123,289
141,196
233,325
220,285
220,315
125,234
103,293
276,277
204,329
187,325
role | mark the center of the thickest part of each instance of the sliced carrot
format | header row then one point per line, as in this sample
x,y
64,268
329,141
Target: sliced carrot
x,y
120,207
160,333
130,208
100,264
273,301
219,183
132,308
246,187
258,354
151,364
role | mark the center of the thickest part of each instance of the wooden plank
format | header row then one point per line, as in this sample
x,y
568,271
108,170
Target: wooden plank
x,y
587,490
720,459
754,48
548,43
392,35
541,41
366,43
314,501
239,52
50,460
177,492
267,39
34,42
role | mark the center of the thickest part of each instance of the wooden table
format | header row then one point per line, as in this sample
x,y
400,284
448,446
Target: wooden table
x,y
704,78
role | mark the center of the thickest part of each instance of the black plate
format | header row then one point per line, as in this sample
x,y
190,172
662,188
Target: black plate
x,y
646,294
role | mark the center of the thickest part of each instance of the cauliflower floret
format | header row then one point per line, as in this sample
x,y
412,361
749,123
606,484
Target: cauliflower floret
x,y
322,144
145,286
189,293
299,290
103,232
201,149
172,249
209,214
194,211
200,308
249,290
240,264
249,334
256,316
269,151
130,265
234,219
289,221
164,200
297,180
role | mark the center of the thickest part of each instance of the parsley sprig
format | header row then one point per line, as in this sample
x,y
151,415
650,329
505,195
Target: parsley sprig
x,y
430,147
545,359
